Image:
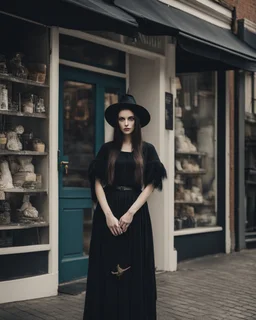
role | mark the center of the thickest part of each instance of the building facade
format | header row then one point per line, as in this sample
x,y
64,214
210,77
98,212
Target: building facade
x,y
174,68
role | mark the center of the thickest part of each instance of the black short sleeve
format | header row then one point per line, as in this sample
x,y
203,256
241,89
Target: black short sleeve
x,y
98,169
154,170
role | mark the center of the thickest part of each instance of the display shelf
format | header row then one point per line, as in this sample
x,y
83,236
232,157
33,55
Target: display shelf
x,y
11,78
20,226
22,190
250,171
201,171
25,249
250,234
196,230
23,114
194,203
250,118
184,153
22,153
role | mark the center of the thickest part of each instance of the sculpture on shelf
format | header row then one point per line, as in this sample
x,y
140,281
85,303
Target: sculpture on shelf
x,y
13,142
183,143
25,176
6,177
27,212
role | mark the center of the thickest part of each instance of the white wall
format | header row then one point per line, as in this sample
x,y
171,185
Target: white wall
x,y
147,82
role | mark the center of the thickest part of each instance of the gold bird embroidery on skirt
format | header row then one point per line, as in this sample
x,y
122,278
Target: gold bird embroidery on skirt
x,y
119,271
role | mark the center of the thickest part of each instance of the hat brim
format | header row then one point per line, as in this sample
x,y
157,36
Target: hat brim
x,y
113,110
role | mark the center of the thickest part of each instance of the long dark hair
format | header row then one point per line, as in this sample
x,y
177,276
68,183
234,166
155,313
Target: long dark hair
x,y
137,151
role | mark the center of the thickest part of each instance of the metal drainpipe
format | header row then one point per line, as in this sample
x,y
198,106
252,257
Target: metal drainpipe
x,y
234,21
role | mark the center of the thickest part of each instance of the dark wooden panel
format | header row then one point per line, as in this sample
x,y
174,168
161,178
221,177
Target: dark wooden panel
x,y
23,265
198,245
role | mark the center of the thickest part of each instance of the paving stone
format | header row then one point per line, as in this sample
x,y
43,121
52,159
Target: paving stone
x,y
219,287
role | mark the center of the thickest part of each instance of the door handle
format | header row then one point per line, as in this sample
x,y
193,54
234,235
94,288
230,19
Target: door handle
x,y
65,164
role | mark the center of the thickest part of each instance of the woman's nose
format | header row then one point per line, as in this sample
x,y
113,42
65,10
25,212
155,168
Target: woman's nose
x,y
126,122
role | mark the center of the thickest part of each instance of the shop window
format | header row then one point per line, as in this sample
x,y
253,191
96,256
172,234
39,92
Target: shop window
x,y
195,151
86,52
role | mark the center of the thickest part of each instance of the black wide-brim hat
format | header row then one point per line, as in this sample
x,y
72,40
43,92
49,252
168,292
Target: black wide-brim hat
x,y
127,102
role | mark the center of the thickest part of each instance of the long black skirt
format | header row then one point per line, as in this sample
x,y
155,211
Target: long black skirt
x,y
130,295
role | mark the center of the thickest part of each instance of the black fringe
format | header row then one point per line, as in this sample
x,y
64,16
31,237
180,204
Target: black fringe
x,y
155,173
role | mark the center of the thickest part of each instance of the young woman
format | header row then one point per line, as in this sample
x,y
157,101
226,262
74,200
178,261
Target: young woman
x,y
121,276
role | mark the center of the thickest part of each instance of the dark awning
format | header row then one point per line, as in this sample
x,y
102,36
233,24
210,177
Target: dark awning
x,y
194,35
84,15
96,15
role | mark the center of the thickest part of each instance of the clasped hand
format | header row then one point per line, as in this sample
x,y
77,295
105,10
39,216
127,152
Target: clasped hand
x,y
120,226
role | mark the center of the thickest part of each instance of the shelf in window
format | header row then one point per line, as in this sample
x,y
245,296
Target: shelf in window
x,y
185,153
194,203
23,114
20,226
25,249
250,171
201,171
196,230
22,190
250,118
250,240
11,78
22,153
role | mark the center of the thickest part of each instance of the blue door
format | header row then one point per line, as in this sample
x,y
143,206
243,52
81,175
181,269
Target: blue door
x,y
83,98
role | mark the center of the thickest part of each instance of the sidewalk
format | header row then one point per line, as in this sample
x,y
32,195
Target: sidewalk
x,y
221,287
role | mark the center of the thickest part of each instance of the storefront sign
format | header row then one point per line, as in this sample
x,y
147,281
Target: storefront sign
x,y
149,43
142,41
168,111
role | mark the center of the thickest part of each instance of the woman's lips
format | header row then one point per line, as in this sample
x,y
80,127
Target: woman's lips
x,y
126,129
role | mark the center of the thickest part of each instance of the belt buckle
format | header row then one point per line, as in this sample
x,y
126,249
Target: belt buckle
x,y
122,188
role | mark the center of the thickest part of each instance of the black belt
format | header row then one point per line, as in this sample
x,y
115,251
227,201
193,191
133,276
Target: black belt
x,y
123,188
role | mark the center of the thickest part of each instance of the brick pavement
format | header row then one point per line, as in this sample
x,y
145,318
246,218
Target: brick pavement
x,y
221,287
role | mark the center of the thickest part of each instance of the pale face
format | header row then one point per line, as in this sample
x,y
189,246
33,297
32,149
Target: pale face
x,y
126,121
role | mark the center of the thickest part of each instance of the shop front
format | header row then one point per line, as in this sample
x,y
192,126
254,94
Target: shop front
x,y
180,78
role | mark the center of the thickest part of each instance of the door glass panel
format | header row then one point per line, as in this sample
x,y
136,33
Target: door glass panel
x,y
87,229
111,97
78,132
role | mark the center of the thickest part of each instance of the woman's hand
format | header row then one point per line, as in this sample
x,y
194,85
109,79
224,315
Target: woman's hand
x,y
125,221
113,225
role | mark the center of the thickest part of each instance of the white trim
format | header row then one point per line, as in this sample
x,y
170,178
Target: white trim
x,y
227,209
25,249
53,159
205,10
28,288
111,44
249,25
91,68
127,70
196,231
169,149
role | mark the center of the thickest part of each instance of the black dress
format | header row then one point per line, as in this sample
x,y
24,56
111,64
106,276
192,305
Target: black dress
x,y
132,295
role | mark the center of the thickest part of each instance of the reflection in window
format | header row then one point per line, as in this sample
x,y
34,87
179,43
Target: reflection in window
x,y
82,51
195,144
110,97
78,132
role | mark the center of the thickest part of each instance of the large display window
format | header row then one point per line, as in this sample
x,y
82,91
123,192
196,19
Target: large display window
x,y
195,150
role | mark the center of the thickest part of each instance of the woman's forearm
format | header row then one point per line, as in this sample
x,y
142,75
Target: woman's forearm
x,y
102,198
142,198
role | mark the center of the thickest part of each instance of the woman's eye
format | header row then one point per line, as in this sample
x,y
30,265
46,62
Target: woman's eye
x,y
131,119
